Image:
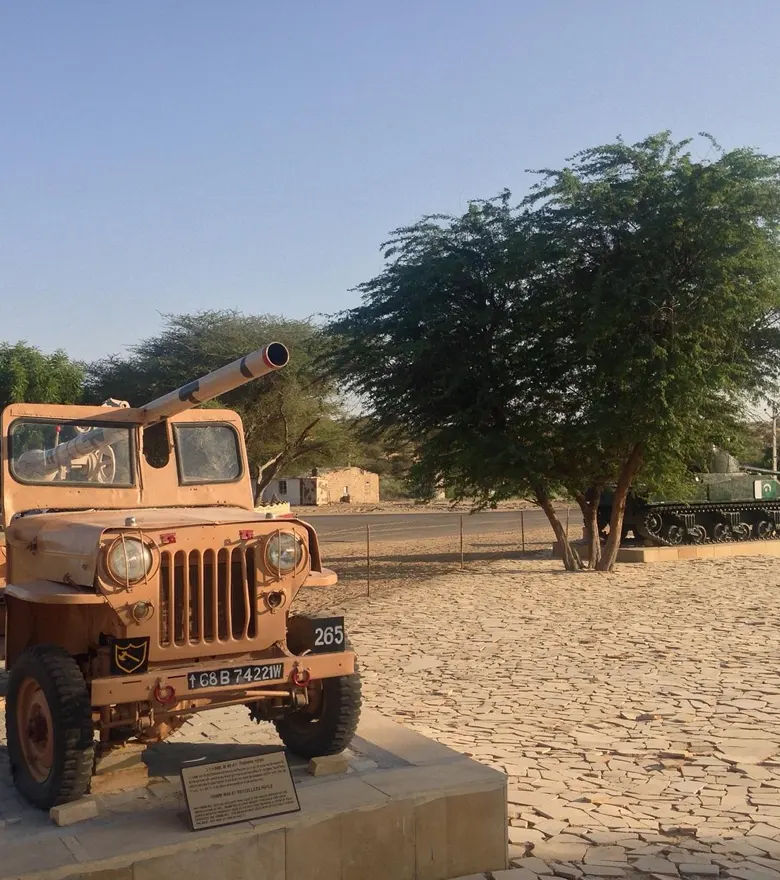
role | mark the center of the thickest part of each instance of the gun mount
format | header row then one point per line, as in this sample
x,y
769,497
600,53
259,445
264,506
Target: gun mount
x,y
95,444
140,597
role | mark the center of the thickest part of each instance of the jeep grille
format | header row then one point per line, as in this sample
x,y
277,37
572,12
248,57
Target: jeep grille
x,y
208,596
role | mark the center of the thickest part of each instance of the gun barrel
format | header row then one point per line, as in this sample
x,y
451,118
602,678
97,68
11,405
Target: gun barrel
x,y
36,464
242,370
751,469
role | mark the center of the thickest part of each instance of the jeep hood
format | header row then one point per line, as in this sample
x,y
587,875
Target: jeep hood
x,y
151,518
70,539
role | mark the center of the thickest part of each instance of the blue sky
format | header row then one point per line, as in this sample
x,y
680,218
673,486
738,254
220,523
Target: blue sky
x,y
178,156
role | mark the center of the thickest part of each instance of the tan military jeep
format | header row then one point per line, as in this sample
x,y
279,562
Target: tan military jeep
x,y
142,586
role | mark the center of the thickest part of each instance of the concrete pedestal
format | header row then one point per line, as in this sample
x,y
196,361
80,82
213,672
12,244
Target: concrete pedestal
x,y
684,551
407,808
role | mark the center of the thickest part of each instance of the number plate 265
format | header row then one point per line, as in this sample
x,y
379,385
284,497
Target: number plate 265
x,y
328,635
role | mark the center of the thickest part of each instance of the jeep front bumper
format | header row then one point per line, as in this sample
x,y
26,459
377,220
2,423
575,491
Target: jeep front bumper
x,y
145,687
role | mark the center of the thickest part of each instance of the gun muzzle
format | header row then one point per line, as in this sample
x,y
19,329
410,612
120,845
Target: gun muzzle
x,y
265,360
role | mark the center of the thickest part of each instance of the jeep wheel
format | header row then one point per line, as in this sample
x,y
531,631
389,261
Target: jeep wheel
x,y
326,726
49,727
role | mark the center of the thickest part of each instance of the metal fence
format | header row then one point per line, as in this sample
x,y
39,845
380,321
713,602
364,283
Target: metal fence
x,y
376,564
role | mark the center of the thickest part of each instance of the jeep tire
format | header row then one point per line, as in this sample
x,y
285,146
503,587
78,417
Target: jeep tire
x,y
330,728
327,726
49,727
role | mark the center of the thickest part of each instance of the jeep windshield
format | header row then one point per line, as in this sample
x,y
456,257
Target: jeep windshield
x,y
207,452
52,452
93,453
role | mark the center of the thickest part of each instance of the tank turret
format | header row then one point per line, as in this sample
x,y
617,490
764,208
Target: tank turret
x,y
39,463
722,462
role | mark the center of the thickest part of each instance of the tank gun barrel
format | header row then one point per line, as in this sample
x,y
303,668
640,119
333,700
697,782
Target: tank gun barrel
x,y
242,370
37,464
758,470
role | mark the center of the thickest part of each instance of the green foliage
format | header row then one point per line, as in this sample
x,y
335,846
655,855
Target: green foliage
x,y
756,448
289,416
669,272
393,489
609,323
428,352
29,376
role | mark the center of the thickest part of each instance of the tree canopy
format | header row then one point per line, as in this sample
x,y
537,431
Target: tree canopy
x,y
290,416
27,375
601,332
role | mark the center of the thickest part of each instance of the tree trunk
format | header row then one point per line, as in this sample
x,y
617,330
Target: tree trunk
x,y
292,450
266,472
571,559
589,505
627,474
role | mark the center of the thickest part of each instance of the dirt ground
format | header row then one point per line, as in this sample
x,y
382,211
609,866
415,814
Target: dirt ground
x,y
398,564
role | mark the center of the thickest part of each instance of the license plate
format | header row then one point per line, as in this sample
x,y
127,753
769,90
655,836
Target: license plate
x,y
328,635
237,676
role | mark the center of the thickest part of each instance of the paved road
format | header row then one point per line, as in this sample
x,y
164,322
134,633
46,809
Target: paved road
x,y
410,526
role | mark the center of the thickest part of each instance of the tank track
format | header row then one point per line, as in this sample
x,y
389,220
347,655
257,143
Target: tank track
x,y
706,522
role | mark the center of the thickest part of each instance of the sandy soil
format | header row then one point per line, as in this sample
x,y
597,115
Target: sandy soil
x,y
637,713
399,564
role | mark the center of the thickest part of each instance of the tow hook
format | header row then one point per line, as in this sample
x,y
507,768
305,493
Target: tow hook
x,y
300,677
164,694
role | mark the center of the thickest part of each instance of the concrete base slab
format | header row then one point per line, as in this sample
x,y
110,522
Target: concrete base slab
x,y
684,551
407,807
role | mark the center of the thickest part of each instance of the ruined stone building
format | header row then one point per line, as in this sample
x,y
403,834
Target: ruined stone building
x,y
326,486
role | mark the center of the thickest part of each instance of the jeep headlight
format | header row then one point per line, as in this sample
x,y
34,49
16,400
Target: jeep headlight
x,y
284,552
129,560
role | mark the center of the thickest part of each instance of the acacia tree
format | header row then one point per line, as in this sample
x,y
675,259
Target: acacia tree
x,y
599,333
27,375
672,267
288,416
449,349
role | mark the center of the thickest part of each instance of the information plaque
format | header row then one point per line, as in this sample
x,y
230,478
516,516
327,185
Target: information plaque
x,y
224,792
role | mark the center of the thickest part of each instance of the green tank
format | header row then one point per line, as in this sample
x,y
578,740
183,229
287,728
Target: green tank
x,y
730,502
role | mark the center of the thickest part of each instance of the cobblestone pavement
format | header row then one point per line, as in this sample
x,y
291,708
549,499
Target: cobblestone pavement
x,y
636,714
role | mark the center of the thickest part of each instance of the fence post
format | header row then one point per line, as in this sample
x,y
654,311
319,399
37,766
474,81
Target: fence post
x,y
522,528
368,560
461,542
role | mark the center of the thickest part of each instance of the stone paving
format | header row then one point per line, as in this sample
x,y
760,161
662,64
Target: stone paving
x,y
636,714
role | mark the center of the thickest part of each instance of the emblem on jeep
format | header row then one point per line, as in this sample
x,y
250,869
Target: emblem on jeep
x,y
129,656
